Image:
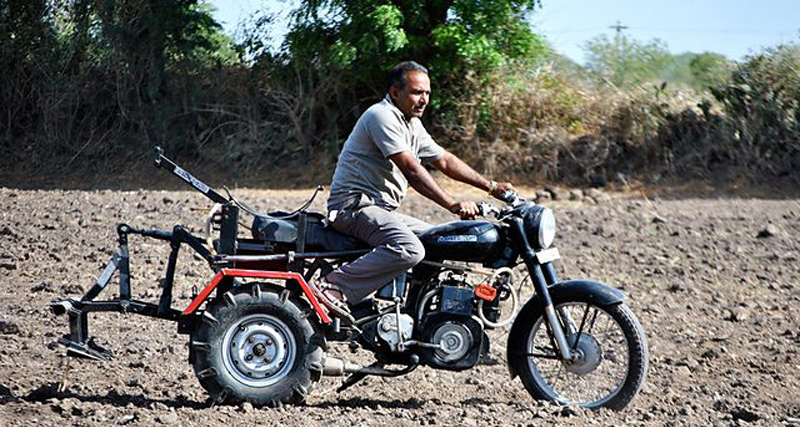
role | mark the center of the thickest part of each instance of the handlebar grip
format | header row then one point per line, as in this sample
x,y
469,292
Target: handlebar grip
x,y
509,196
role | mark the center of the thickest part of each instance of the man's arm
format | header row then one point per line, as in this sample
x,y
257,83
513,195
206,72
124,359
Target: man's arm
x,y
455,168
423,182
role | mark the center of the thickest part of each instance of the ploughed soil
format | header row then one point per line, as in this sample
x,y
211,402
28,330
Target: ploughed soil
x,y
715,283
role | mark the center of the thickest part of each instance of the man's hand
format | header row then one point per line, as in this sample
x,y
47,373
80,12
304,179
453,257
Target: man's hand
x,y
501,188
466,210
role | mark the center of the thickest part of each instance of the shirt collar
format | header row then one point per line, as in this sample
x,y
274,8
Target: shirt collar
x,y
390,102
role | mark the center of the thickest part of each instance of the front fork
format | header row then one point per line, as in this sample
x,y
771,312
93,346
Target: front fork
x,y
544,275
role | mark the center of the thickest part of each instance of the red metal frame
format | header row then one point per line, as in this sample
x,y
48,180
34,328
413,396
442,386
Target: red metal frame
x,y
238,272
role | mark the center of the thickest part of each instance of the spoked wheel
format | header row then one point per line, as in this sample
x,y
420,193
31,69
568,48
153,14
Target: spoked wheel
x,y
257,345
611,362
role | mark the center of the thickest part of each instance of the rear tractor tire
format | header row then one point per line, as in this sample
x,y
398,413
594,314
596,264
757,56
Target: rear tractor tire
x,y
256,344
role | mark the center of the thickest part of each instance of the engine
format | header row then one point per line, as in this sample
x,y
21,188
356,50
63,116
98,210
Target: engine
x,y
456,335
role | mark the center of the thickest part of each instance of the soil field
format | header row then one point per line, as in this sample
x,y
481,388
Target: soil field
x,y
715,283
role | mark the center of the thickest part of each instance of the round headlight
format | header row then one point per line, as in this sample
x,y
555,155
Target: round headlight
x,y
540,226
547,228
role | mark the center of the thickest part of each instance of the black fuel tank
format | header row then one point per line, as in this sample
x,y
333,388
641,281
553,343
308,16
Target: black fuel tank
x,y
473,241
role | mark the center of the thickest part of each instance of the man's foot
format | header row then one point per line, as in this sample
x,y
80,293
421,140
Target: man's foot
x,y
333,298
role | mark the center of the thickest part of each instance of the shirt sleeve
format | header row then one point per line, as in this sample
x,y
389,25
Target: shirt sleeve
x,y
429,150
387,133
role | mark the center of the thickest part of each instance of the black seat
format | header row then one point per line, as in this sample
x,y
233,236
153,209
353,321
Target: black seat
x,y
282,228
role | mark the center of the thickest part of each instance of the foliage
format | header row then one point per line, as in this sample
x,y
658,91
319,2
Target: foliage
x,y
625,62
82,79
710,70
762,104
88,76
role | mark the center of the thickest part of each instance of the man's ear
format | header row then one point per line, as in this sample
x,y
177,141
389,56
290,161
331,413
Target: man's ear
x,y
394,92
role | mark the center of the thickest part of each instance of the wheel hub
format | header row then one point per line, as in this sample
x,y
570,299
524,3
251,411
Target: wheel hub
x,y
260,350
588,354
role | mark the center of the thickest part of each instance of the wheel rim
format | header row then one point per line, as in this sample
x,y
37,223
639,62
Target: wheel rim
x,y
260,350
602,368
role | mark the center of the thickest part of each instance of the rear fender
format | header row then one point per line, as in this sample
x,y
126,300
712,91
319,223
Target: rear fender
x,y
596,293
258,274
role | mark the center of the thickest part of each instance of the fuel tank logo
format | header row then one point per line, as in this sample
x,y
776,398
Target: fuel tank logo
x,y
457,238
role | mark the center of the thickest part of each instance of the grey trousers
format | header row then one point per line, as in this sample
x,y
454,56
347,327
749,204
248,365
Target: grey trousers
x,y
396,248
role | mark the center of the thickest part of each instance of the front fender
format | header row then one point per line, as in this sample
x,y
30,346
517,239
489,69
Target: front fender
x,y
596,293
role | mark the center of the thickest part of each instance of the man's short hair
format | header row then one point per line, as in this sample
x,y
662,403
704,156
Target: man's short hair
x,y
398,75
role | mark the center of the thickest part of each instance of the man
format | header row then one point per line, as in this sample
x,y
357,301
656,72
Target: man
x,y
380,158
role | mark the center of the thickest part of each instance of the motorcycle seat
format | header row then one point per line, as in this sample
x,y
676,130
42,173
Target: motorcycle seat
x,y
283,228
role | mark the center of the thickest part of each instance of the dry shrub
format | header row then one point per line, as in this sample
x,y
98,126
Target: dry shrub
x,y
541,126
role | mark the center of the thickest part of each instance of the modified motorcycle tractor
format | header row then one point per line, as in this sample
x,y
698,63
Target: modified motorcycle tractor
x,y
258,333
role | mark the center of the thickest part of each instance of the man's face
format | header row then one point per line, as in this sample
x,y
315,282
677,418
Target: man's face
x,y
414,96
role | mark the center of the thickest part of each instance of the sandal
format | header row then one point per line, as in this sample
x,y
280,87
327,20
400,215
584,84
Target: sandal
x,y
327,294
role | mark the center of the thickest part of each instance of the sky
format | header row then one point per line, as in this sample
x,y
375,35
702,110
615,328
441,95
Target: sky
x,y
734,28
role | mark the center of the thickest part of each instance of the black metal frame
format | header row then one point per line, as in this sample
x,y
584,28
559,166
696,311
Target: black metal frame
x,y
77,341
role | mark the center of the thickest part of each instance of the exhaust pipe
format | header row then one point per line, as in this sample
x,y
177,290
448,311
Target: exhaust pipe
x,y
335,367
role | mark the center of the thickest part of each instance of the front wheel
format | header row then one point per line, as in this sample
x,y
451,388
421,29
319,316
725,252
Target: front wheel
x,y
256,344
611,350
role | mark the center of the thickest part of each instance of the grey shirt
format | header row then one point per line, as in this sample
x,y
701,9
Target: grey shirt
x,y
364,169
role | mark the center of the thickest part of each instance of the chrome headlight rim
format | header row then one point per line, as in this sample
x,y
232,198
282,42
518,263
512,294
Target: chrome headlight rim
x,y
540,226
547,229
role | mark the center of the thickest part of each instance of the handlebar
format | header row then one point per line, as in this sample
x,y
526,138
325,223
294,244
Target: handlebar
x,y
511,198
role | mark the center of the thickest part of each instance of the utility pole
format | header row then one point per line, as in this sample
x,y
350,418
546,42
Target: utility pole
x,y
618,27
619,67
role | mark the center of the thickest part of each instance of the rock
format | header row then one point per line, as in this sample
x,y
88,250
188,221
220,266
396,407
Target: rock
x,y
734,315
710,354
5,231
569,411
598,196
745,415
127,419
657,219
7,262
576,194
42,287
769,231
688,362
8,328
543,196
159,406
675,287
72,289
247,407
555,193
168,418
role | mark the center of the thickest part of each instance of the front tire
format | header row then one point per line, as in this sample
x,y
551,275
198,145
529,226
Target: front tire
x,y
613,363
256,344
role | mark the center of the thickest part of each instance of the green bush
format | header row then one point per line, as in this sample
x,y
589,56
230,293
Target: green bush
x,y
761,102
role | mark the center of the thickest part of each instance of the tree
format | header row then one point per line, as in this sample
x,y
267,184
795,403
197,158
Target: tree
x,y
451,37
625,61
710,69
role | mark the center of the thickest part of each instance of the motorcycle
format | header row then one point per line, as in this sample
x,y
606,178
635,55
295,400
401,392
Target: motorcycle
x,y
258,333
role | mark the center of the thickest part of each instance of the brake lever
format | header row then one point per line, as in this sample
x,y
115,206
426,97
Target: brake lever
x,y
484,209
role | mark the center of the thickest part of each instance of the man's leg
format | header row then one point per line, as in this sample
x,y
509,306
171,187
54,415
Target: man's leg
x,y
396,250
